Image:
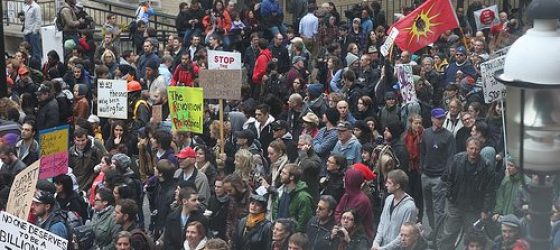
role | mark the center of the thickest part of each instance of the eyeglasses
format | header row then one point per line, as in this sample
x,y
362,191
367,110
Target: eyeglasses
x,y
459,54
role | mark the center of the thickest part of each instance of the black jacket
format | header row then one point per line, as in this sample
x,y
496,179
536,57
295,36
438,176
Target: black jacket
x,y
281,53
174,236
259,238
334,185
219,208
47,115
318,234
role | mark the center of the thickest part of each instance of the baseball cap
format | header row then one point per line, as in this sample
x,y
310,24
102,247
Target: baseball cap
x,y
297,59
43,89
279,124
44,197
344,125
461,50
187,152
438,113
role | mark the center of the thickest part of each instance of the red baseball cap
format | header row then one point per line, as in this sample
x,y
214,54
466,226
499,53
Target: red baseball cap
x,y
368,174
187,152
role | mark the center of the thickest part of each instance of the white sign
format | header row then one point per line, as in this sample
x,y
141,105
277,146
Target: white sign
x,y
112,99
16,233
22,191
487,17
406,82
223,60
52,40
388,44
501,52
493,90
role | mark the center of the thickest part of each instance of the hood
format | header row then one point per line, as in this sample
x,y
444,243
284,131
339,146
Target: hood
x,y
237,120
266,52
300,186
353,181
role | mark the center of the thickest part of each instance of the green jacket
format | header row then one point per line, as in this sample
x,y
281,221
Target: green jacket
x,y
105,229
300,205
508,190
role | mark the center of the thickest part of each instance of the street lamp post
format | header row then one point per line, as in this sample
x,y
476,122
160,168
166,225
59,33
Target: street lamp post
x,y
3,83
532,79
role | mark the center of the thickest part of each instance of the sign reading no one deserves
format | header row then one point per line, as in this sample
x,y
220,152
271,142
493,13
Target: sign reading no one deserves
x,y
16,233
112,99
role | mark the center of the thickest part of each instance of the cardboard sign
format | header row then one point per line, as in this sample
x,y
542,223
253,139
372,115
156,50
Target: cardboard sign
x,y
389,41
221,84
16,233
493,90
406,82
186,108
157,113
22,192
487,17
112,99
53,149
223,60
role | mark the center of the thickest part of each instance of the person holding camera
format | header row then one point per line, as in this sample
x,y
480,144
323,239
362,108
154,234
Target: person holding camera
x,y
347,234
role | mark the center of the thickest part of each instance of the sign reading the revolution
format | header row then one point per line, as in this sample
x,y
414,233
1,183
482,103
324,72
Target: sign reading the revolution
x,y
223,60
221,84
493,90
17,233
22,191
53,146
186,108
406,82
112,99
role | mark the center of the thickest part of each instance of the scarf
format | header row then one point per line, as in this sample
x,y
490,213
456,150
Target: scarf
x,y
412,142
253,220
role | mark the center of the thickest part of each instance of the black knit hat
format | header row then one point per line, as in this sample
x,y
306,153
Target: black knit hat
x,y
395,128
332,115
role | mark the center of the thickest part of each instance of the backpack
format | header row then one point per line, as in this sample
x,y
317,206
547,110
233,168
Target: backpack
x,y
59,21
71,220
84,237
147,242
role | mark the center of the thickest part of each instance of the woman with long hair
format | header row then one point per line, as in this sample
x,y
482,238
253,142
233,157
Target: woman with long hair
x,y
278,158
362,132
244,164
195,236
217,21
206,163
348,235
412,140
67,198
365,108
101,168
119,139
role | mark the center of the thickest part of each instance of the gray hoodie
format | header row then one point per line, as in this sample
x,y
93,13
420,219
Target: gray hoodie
x,y
390,223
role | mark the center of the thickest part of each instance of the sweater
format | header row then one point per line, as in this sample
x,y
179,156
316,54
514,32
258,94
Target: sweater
x,y
436,149
390,223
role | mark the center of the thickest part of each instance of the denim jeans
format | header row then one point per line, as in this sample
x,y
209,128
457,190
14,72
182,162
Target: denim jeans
x,y
35,41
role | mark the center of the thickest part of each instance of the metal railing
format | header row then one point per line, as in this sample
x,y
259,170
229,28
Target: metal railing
x,y
13,7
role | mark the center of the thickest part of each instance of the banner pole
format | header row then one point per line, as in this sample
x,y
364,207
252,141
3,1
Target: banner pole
x,y
222,142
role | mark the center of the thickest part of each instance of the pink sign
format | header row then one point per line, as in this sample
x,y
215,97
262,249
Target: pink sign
x,y
53,165
53,144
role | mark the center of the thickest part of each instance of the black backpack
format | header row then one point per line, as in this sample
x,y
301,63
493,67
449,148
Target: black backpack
x,y
59,21
71,220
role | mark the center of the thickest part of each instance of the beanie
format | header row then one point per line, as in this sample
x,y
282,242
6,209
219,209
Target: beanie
x,y
122,160
314,90
350,58
332,115
396,129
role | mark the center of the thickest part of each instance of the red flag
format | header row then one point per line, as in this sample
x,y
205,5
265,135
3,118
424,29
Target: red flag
x,y
425,24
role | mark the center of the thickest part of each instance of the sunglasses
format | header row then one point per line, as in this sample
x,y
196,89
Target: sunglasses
x,y
459,54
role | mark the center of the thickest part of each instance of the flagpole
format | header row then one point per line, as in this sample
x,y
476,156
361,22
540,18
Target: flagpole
x,y
464,37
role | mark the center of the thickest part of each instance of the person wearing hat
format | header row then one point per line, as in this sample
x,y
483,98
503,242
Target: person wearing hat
x,y
281,130
512,236
44,207
461,64
437,148
470,192
310,125
153,79
188,174
356,33
326,138
510,189
391,111
297,71
254,231
315,99
347,144
48,113
399,208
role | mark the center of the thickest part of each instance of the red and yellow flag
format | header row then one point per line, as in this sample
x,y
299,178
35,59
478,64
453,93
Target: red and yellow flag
x,y
425,24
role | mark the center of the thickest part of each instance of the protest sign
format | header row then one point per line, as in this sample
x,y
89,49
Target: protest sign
x,y
406,82
22,192
501,52
223,60
487,17
51,39
221,84
186,108
493,90
17,233
157,113
388,44
112,99
53,148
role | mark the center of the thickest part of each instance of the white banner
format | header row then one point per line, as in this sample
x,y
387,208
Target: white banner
x,y
388,44
406,82
223,60
487,17
20,234
112,99
52,40
493,90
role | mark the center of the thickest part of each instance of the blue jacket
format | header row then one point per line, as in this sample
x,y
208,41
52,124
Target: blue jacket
x,y
323,143
351,150
270,6
451,71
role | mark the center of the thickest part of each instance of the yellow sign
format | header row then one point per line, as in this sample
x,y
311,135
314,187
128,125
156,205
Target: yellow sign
x,y
186,108
53,144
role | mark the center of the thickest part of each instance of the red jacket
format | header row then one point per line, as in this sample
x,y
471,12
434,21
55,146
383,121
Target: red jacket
x,y
183,77
260,66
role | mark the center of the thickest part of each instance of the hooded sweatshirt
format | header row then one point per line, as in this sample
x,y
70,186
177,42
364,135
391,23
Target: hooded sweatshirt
x,y
260,66
390,223
356,200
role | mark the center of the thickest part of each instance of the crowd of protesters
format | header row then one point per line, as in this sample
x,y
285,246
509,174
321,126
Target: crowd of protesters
x,y
320,153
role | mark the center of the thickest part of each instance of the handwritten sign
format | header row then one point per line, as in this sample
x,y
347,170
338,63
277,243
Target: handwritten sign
x,y
221,84
17,233
406,82
389,41
186,108
22,191
223,60
53,146
493,90
112,99
487,17
501,52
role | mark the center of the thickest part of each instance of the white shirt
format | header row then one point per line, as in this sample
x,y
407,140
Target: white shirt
x,y
33,20
309,26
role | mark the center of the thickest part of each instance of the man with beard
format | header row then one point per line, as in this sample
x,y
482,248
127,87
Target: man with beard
x,y
11,165
82,158
44,207
47,115
27,146
461,64
319,226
